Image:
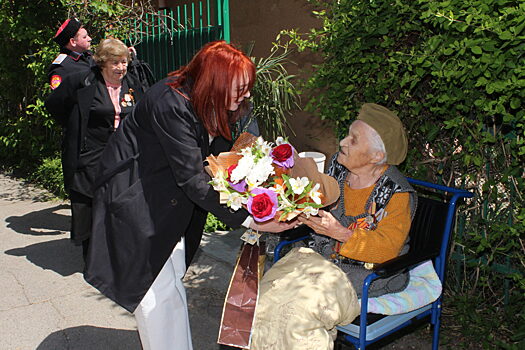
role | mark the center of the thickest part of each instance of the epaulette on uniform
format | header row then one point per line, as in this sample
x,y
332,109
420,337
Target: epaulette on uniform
x,y
59,58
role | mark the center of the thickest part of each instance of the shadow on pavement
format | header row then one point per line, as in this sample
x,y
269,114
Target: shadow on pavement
x,y
42,222
58,255
91,338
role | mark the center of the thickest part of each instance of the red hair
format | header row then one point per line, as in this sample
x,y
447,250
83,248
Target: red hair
x,y
212,71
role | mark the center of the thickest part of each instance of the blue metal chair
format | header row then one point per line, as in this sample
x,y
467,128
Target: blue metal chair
x,y
430,235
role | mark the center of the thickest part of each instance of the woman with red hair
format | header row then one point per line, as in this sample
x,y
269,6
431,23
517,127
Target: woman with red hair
x,y
152,193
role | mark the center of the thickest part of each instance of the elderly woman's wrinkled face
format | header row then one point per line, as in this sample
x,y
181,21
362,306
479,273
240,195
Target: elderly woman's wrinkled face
x,y
238,92
355,148
115,69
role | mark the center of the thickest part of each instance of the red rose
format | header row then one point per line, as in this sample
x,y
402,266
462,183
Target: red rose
x,y
262,205
282,152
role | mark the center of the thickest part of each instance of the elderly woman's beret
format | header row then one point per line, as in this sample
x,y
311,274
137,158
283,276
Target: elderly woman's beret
x,y
389,127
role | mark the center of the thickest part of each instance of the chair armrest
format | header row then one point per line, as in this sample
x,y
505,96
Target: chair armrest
x,y
294,233
402,263
291,236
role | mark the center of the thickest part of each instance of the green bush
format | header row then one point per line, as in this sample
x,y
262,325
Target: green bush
x,y
214,224
49,176
455,72
24,136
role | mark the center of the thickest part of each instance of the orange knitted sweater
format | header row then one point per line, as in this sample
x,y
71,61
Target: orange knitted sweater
x,y
386,241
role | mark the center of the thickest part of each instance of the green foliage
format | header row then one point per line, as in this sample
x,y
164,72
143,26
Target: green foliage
x,y
213,224
49,176
23,137
454,71
27,133
274,94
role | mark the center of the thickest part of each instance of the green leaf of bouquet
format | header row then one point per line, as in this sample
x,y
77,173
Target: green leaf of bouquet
x,y
290,209
308,187
309,204
289,191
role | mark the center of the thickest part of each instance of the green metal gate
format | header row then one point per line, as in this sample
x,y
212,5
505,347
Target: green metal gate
x,y
169,38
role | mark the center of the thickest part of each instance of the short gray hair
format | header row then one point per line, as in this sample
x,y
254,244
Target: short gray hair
x,y
108,49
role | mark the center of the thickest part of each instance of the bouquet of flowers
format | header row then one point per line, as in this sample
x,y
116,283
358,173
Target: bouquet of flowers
x,y
270,180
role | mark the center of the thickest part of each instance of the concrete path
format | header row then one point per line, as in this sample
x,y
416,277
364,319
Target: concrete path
x,y
45,304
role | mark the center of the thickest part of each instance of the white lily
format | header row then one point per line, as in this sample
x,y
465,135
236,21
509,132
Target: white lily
x,y
310,211
284,202
264,146
298,184
219,182
315,194
279,189
235,201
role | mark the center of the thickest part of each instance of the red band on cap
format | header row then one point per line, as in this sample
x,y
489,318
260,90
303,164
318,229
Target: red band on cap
x,y
66,22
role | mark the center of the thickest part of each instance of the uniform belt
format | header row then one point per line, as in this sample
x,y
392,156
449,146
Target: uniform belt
x,y
348,261
352,262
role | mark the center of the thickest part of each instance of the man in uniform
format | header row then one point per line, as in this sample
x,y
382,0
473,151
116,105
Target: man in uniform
x,y
74,43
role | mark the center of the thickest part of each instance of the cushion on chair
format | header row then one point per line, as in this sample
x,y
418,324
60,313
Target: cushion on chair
x,y
423,288
302,299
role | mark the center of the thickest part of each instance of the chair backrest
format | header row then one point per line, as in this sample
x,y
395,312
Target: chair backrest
x,y
428,226
432,227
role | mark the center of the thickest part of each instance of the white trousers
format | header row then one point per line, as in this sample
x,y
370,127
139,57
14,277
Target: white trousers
x,y
162,315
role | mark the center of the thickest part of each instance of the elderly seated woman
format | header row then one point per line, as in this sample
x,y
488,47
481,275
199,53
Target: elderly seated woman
x,y
310,291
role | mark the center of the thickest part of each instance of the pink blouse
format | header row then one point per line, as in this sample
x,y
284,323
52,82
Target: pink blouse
x,y
114,94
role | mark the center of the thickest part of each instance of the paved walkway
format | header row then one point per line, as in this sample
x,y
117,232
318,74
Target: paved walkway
x,y
46,305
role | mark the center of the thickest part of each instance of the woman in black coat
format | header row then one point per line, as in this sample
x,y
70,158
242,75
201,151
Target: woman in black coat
x,y
152,192
89,106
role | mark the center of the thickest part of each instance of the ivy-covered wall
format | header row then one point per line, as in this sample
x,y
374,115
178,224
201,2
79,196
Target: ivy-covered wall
x,y
455,72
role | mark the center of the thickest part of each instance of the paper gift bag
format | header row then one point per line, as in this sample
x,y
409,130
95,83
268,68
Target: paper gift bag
x,y
241,299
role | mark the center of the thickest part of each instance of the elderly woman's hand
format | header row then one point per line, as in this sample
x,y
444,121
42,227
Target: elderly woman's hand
x,y
326,224
272,226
